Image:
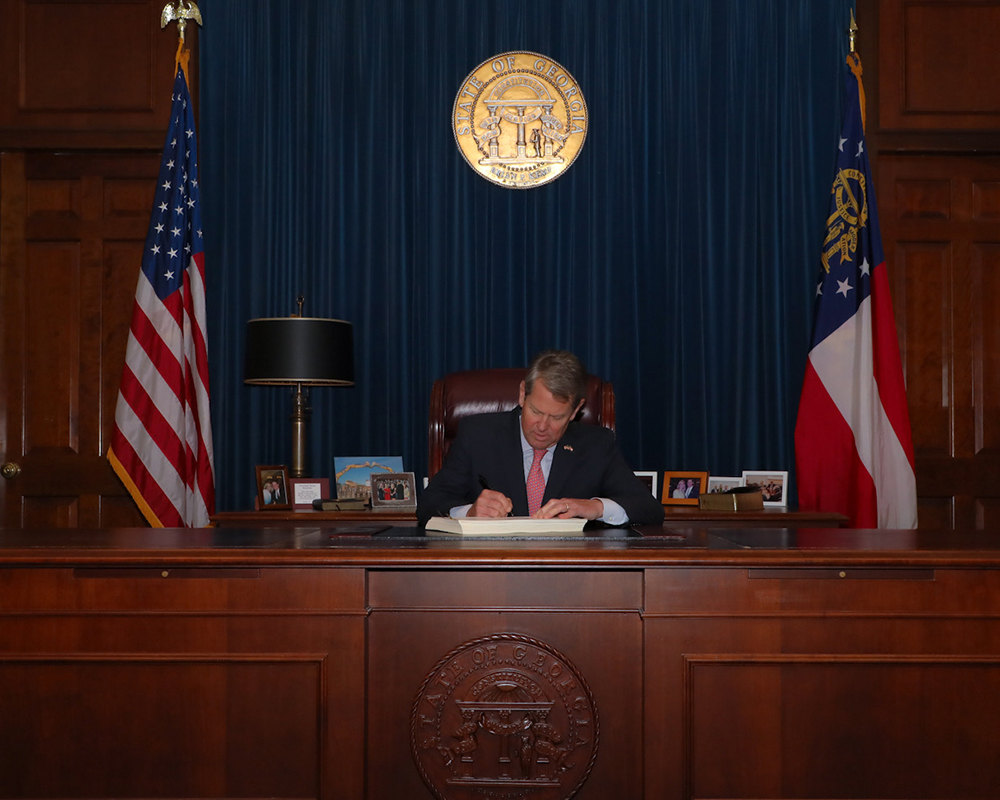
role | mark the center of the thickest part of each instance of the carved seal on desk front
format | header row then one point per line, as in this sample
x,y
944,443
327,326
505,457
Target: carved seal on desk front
x,y
504,717
520,119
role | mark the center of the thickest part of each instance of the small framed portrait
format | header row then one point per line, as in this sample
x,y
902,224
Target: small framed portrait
x,y
649,481
772,485
683,488
393,490
721,483
305,490
272,487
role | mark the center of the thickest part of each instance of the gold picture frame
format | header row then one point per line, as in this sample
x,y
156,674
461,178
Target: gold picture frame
x,y
683,488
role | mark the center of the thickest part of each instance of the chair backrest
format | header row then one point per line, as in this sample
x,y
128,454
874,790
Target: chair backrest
x,y
482,391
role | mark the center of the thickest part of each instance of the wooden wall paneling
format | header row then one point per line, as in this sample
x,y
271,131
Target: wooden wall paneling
x,y
12,211
985,290
934,59
109,85
80,238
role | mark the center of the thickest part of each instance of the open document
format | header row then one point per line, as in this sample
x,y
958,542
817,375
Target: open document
x,y
505,526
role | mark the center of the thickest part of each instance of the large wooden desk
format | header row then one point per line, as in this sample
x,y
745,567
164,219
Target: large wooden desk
x,y
676,516
292,662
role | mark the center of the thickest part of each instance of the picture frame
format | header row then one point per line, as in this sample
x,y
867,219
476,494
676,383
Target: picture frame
x,y
353,474
648,479
303,491
676,494
272,487
773,485
723,483
397,490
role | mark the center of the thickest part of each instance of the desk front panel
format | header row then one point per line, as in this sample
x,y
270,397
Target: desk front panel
x,y
181,682
822,683
497,683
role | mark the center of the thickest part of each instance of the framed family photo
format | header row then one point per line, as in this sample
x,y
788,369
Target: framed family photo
x,y
722,483
272,487
683,488
772,485
393,490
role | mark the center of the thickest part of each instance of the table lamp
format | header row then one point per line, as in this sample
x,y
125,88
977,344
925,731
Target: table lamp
x,y
299,351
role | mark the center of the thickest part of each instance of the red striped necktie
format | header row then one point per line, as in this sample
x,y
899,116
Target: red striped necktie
x,y
536,483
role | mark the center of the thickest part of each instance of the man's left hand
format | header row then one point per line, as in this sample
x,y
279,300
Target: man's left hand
x,y
566,507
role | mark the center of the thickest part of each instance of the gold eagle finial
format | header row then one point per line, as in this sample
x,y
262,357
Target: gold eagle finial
x,y
182,11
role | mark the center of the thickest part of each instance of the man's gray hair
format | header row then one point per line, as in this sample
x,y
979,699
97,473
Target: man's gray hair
x,y
561,372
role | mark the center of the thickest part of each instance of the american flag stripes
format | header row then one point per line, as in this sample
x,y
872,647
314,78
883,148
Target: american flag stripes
x,y
853,446
161,446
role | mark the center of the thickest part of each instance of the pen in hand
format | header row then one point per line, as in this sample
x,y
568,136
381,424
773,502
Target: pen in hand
x,y
486,485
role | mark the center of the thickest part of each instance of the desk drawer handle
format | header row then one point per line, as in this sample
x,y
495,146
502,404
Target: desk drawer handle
x,y
823,573
161,572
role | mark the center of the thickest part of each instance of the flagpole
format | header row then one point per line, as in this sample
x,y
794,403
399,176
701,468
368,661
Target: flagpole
x,y
180,11
854,62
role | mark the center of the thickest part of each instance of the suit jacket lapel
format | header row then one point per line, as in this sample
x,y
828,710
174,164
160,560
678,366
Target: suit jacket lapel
x,y
564,461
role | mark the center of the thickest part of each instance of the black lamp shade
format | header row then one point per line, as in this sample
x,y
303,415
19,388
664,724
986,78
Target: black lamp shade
x,y
289,350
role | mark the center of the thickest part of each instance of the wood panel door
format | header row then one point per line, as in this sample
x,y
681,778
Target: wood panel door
x,y
941,216
72,228
934,119
80,136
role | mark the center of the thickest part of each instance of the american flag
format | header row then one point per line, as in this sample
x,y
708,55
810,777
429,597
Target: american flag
x,y
853,445
161,446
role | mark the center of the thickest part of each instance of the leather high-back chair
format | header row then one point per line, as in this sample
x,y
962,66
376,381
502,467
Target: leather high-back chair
x,y
482,391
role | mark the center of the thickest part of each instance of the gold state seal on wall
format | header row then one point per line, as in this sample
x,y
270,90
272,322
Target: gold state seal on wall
x,y
520,119
504,716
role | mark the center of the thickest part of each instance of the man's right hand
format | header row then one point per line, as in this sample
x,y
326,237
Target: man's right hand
x,y
491,504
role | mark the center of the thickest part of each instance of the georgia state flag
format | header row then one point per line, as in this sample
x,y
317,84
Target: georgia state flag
x,y
853,446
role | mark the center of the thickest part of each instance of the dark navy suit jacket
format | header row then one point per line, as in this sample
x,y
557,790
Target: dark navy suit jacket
x,y
586,463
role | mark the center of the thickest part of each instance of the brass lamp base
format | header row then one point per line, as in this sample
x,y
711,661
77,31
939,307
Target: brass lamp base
x,y
300,416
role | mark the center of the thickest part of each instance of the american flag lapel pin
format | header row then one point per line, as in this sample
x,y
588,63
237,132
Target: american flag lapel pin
x,y
568,447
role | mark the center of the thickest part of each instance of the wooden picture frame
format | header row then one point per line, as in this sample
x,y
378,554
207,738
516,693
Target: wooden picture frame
x,y
773,485
393,490
302,491
677,494
272,487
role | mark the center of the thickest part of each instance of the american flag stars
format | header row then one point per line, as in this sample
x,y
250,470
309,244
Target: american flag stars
x,y
170,239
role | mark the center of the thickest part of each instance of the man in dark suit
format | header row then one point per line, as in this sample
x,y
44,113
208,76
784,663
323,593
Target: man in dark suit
x,y
496,459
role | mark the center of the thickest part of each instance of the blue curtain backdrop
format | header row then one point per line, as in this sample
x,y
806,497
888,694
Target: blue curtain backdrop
x,y
677,256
